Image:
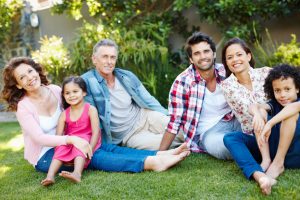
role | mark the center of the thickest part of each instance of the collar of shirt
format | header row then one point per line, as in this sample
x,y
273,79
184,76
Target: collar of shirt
x,y
217,70
250,72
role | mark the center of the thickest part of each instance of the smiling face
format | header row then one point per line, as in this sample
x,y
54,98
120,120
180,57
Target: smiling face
x,y
237,59
202,56
73,94
285,91
105,59
27,78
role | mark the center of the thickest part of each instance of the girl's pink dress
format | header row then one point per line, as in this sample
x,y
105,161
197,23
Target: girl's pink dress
x,y
80,128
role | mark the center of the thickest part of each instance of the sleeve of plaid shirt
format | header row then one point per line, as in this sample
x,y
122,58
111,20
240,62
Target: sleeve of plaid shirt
x,y
177,99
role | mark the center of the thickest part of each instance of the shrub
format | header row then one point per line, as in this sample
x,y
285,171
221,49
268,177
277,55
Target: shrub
x,y
54,56
288,53
270,53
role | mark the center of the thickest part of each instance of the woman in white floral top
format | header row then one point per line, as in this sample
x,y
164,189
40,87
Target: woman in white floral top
x,y
243,87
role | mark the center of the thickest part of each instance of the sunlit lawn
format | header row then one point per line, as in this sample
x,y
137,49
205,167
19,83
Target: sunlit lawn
x,y
198,177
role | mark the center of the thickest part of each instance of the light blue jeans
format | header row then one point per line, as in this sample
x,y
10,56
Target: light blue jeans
x,y
108,157
212,140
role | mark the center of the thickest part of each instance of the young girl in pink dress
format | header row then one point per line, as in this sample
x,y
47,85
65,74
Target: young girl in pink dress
x,y
79,119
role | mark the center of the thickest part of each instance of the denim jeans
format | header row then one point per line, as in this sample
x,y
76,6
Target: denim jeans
x,y
292,158
45,161
212,140
245,152
108,157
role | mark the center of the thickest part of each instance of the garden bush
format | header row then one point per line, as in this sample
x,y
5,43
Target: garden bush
x,y
54,56
269,53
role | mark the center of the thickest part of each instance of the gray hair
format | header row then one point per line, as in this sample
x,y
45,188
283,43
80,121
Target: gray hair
x,y
105,42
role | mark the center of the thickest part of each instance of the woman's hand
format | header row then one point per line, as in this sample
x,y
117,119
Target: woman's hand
x,y
258,124
81,144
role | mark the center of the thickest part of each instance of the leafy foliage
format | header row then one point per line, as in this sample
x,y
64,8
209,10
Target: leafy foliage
x,y
54,56
269,53
142,28
288,53
240,18
8,11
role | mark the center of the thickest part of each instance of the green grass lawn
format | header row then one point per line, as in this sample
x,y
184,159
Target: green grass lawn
x,y
198,177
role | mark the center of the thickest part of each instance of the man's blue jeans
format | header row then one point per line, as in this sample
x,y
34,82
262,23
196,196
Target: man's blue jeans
x,y
212,140
108,157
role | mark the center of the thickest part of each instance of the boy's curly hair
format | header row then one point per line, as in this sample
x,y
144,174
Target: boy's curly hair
x,y
281,71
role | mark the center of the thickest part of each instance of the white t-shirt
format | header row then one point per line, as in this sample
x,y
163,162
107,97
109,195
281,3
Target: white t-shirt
x,y
214,108
124,112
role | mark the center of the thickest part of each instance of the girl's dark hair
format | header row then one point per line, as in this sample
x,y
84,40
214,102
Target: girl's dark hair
x,y
10,93
243,45
72,79
283,71
196,38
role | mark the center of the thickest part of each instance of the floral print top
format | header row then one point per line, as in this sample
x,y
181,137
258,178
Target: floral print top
x,y
240,98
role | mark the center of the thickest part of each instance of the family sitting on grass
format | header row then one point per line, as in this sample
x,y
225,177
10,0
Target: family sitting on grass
x,y
107,120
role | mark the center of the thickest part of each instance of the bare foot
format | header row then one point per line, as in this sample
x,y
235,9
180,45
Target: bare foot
x,y
265,164
47,181
164,162
182,148
265,184
72,176
275,170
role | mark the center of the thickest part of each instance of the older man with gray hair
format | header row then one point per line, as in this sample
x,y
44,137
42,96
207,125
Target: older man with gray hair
x,y
129,115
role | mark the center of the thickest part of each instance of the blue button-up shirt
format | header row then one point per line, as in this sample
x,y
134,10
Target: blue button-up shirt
x,y
98,96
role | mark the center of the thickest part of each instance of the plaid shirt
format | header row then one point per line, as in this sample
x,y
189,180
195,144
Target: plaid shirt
x,y
185,103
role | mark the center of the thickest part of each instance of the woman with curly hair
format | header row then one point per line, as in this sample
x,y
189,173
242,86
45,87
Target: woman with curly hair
x,y
38,107
28,92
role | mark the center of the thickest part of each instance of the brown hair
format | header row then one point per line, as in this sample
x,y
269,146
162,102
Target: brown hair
x,y
243,45
196,38
10,92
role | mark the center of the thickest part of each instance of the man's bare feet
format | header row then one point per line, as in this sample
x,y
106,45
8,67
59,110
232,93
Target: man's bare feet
x,y
265,184
182,148
265,164
275,170
72,176
163,162
48,181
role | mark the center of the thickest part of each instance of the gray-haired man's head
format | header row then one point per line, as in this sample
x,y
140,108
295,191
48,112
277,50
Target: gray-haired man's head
x,y
105,42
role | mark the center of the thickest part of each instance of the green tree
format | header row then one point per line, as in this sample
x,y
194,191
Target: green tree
x,y
240,18
9,10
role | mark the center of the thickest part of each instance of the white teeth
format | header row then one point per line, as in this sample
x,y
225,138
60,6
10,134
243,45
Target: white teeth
x,y
32,83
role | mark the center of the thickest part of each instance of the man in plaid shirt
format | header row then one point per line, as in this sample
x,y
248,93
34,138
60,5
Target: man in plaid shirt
x,y
196,102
